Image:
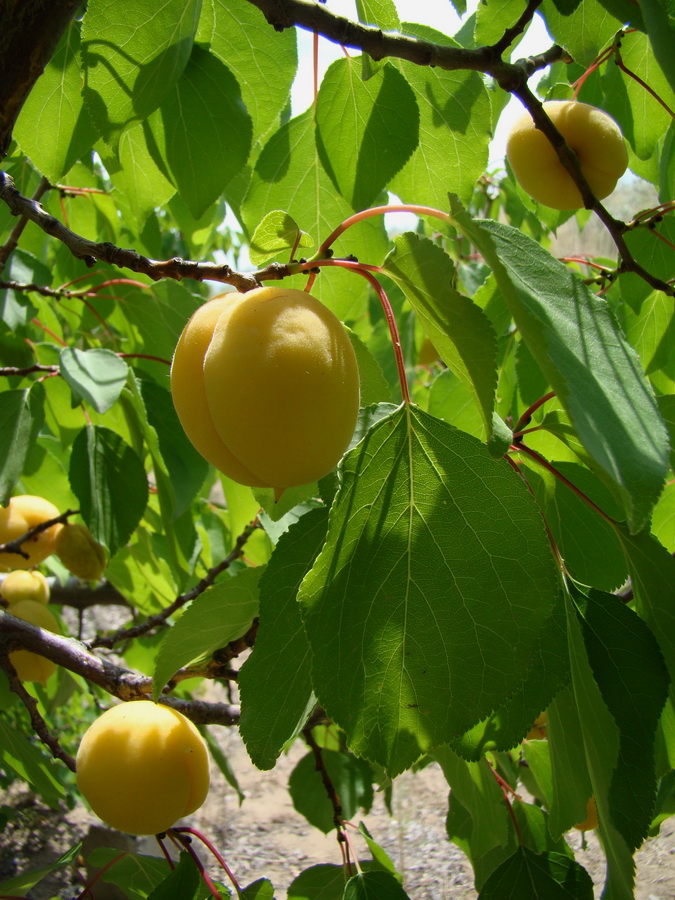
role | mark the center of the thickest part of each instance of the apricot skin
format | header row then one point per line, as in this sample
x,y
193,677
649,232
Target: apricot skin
x,y
21,514
266,386
80,553
142,766
31,666
591,133
23,585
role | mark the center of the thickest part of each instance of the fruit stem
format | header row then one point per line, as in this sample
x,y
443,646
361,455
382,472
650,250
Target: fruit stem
x,y
165,852
184,829
366,271
377,211
185,844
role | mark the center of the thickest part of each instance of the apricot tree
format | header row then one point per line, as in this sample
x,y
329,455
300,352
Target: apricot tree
x,y
497,539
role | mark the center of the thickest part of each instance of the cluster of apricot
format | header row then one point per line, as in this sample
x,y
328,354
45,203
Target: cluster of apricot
x,y
266,386
25,590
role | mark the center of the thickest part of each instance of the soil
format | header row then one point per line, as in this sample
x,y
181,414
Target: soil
x,y
266,837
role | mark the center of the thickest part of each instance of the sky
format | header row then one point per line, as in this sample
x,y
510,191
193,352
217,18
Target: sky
x,y
438,14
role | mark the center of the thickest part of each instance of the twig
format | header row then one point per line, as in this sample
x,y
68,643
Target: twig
x,y
40,727
90,251
11,371
15,545
338,818
113,679
13,240
161,618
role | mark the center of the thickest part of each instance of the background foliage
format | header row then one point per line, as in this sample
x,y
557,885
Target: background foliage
x,y
499,546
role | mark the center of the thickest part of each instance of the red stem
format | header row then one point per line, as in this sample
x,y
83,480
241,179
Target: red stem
x,y
184,829
165,852
631,74
101,873
530,411
366,272
185,845
379,211
503,785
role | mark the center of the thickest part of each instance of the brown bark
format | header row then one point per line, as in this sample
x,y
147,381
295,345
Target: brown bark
x,y
29,33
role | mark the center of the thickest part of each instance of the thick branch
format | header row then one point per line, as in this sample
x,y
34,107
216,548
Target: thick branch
x,y
121,683
90,251
29,33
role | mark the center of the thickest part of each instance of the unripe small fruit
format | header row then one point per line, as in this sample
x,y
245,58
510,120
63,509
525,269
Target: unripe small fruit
x,y
266,386
80,553
591,821
142,766
24,585
591,133
31,666
19,516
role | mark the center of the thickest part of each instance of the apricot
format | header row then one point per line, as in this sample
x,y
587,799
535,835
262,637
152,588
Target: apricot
x,y
31,666
538,730
591,133
24,585
591,821
19,516
266,386
142,766
80,553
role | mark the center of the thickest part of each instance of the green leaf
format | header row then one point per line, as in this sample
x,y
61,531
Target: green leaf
x,y
474,785
21,418
366,129
652,572
458,329
351,777
455,130
378,12
182,881
263,61
109,481
54,129
274,682
601,742
545,876
493,17
186,468
437,568
16,310
595,372
202,130
133,51
576,527
322,882
289,176
27,880
452,400
583,31
659,17
138,176
96,376
262,889
278,231
23,757
219,615
374,886
136,874
222,762
633,681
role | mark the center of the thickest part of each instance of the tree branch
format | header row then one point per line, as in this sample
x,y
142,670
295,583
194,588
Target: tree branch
x,y
121,683
15,545
90,251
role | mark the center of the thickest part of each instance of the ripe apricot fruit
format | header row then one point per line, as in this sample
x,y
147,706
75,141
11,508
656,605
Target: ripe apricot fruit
x,y
591,821
19,516
538,730
80,553
591,133
31,666
142,766
266,386
23,585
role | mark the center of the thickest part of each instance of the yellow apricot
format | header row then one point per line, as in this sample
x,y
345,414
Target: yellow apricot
x,y
266,386
31,666
24,585
591,133
80,553
538,730
142,766
591,821
21,514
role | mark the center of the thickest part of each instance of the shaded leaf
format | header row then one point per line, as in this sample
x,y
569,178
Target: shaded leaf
x,y
21,418
544,876
351,777
374,886
96,376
